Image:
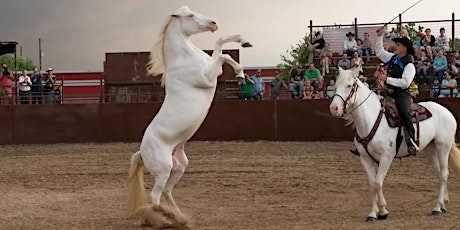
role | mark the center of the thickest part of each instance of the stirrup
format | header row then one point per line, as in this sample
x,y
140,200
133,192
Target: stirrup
x,y
413,149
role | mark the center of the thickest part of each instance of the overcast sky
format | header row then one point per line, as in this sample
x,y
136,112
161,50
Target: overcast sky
x,y
77,33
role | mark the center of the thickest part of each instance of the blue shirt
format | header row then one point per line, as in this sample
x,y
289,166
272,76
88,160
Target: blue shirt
x,y
258,84
440,62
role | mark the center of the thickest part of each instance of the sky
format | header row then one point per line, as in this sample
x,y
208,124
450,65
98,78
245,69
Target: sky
x,y
76,34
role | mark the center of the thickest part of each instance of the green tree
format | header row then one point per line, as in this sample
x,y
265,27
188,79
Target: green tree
x,y
296,55
22,62
411,28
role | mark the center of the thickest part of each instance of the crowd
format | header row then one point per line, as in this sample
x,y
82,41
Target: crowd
x,y
433,69
35,89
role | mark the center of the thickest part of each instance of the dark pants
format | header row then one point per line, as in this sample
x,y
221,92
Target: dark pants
x,y
36,97
403,102
24,97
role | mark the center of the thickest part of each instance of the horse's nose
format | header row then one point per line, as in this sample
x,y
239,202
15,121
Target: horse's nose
x,y
214,22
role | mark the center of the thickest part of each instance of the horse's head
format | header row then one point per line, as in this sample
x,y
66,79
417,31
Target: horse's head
x,y
192,23
345,87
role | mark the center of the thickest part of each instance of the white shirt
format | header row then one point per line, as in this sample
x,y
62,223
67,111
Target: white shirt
x,y
409,70
350,44
24,83
441,40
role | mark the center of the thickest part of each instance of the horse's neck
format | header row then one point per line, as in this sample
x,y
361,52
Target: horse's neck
x,y
366,110
177,43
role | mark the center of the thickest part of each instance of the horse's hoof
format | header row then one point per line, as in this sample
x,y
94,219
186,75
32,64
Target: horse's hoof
x,y
443,210
436,213
246,44
371,219
382,217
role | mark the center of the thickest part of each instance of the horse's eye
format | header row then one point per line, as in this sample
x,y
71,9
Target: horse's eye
x,y
190,15
348,86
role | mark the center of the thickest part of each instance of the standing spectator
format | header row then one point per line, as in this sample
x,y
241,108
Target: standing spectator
x,y
6,82
367,47
49,85
442,41
455,62
246,90
435,88
315,47
312,74
413,90
276,85
428,43
439,65
297,83
350,45
423,65
448,86
343,63
258,85
24,88
37,88
330,89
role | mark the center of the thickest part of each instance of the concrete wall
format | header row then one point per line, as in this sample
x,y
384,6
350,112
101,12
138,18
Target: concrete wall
x,y
287,120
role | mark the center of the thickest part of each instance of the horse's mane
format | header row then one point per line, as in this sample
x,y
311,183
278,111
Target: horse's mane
x,y
156,65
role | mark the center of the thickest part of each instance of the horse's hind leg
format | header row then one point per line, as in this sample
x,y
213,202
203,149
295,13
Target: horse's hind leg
x,y
180,163
439,160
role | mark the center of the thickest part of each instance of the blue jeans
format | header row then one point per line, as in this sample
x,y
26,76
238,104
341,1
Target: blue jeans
x,y
293,87
421,75
439,73
367,52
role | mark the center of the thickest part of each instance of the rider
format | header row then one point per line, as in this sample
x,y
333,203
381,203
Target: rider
x,y
400,73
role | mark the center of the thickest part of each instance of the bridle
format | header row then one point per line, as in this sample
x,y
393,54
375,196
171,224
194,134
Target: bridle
x,y
345,101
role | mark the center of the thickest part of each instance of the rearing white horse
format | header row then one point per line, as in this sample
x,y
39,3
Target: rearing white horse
x,y
359,105
190,79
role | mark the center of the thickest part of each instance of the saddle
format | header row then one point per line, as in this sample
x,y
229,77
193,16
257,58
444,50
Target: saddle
x,y
418,113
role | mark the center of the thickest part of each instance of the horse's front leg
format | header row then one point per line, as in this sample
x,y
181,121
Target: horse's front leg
x,y
385,163
369,166
232,38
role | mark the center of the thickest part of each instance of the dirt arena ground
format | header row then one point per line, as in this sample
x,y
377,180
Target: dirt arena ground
x,y
228,185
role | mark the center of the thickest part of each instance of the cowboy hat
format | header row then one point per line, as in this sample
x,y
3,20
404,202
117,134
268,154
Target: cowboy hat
x,y
350,33
49,69
405,42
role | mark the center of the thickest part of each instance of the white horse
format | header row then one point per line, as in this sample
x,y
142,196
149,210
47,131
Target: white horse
x,y
359,105
190,79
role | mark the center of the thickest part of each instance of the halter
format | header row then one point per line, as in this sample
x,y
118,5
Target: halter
x,y
345,101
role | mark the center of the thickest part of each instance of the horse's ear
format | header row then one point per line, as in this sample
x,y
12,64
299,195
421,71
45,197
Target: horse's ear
x,y
341,70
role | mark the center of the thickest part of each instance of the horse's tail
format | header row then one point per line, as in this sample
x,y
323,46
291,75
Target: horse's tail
x,y
136,193
454,159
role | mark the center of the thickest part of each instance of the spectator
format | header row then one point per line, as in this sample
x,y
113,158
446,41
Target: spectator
x,y
363,79
448,86
330,89
49,85
315,47
37,87
312,74
24,88
321,89
423,65
343,63
246,89
6,82
428,43
439,65
367,47
388,43
442,41
325,61
435,89
297,83
357,62
413,90
418,44
276,85
258,85
309,92
455,61
350,45
327,52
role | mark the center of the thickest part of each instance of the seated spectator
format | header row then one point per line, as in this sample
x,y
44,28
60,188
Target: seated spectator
x,y
350,45
309,92
312,74
455,62
276,85
6,84
423,64
343,63
367,47
439,65
357,62
363,79
246,88
428,43
413,90
442,41
388,43
435,88
378,86
321,89
330,91
297,83
327,52
316,47
418,44
359,44
448,86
